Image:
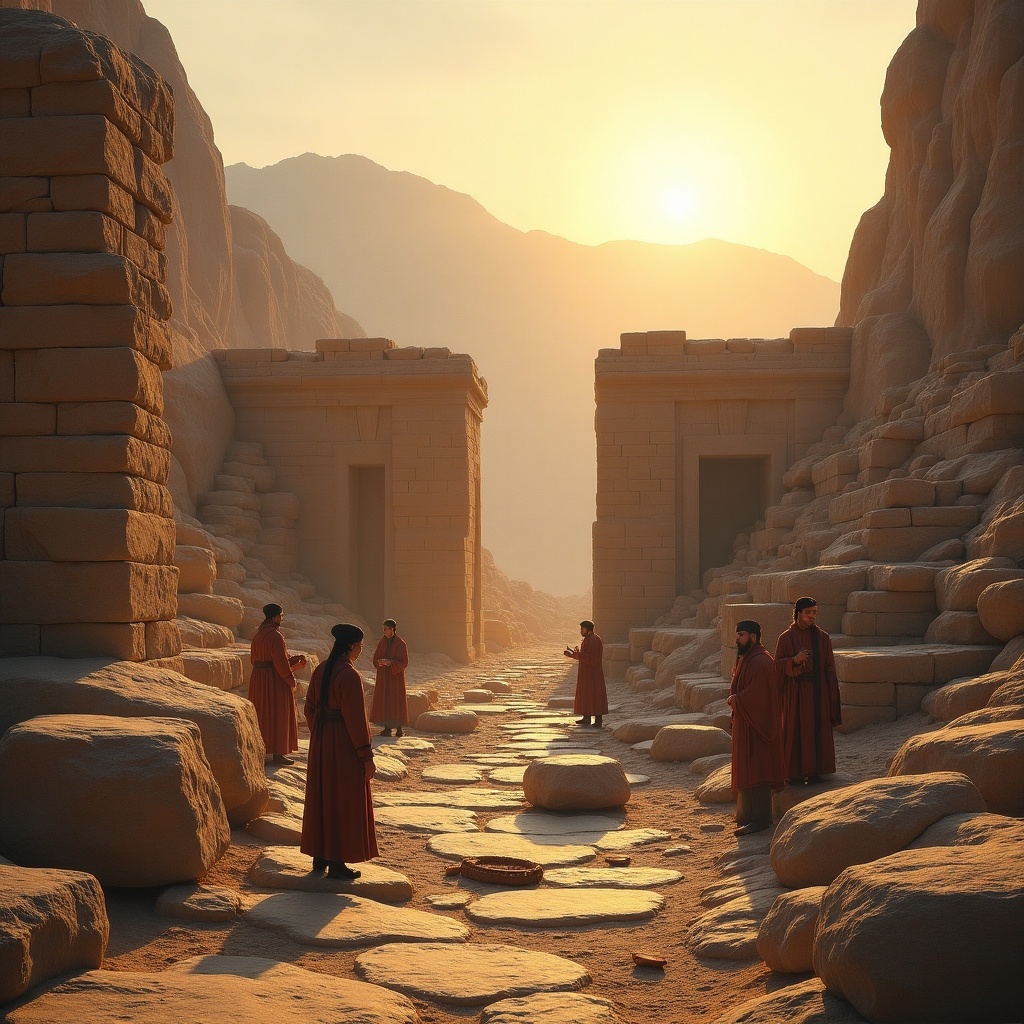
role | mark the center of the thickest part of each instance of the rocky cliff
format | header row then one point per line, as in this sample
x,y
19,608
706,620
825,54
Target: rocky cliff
x,y
937,266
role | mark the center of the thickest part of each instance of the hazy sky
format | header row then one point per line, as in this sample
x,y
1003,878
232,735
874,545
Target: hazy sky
x,y
753,121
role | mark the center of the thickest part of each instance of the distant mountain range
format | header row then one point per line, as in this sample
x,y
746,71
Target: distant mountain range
x,y
421,264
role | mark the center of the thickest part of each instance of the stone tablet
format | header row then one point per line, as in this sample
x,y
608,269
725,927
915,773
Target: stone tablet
x,y
342,921
548,1008
542,908
228,989
468,975
286,867
611,878
471,799
460,845
427,819
456,773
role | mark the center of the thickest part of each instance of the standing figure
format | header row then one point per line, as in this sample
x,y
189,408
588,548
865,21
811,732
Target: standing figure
x,y
272,686
806,671
756,731
591,695
389,707
337,820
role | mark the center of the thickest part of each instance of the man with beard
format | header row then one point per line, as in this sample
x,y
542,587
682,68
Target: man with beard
x,y
809,687
756,731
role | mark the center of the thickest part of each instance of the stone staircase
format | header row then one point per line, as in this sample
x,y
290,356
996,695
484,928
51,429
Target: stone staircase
x,y
236,555
896,526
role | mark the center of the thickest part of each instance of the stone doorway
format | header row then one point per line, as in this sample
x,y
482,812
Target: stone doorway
x,y
367,542
733,496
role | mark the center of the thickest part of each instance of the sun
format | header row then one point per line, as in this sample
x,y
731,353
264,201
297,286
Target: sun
x,y
679,202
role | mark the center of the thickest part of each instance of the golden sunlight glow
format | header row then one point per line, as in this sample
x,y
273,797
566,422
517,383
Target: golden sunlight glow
x,y
679,202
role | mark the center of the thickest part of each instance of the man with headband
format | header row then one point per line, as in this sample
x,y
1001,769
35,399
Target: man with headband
x,y
756,731
810,696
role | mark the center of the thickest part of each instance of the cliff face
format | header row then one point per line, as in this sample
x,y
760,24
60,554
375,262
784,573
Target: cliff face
x,y
231,282
937,266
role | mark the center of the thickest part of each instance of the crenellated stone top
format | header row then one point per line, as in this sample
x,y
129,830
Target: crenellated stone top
x,y
802,341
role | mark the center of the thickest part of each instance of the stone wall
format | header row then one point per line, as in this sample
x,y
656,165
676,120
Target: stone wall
x,y
665,406
407,420
88,537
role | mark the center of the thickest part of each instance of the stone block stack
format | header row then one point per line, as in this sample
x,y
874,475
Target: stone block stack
x,y
86,554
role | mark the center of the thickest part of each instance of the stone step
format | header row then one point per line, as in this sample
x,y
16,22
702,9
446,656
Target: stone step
x,y
666,640
652,660
222,669
892,624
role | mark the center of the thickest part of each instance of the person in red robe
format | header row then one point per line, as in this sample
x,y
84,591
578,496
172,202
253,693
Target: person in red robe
x,y
337,819
756,731
272,686
390,707
811,709
591,695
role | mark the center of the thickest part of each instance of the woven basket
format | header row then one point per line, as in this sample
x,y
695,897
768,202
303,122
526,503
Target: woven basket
x,y
502,870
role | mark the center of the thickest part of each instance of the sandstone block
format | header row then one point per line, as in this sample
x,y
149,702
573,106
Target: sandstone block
x,y
903,545
990,755
88,375
959,587
87,535
130,800
92,192
124,640
97,454
868,694
901,493
955,627
221,669
785,940
568,782
1001,609
95,490
961,516
873,665
26,418
51,923
454,721
112,418
224,611
30,687
163,641
62,592
197,569
904,579
966,904
891,602
819,838
82,144
861,716
91,279
280,503
688,742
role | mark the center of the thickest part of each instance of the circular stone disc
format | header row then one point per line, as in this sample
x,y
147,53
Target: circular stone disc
x,y
612,878
427,819
470,799
457,773
561,907
460,845
284,867
637,780
541,823
507,776
467,976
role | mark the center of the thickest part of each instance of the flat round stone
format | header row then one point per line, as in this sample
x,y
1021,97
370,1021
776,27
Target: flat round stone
x,y
543,823
459,720
460,845
198,903
389,769
628,838
487,709
471,799
551,1008
276,828
427,819
220,988
512,776
563,907
457,773
286,867
612,878
496,760
468,975
449,900
342,921
414,745
637,780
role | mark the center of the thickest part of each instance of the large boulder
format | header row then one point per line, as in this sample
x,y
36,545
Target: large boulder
x,y
130,800
460,720
1001,607
959,587
990,755
688,742
30,687
927,935
970,830
51,923
785,940
820,837
806,1003
960,697
575,782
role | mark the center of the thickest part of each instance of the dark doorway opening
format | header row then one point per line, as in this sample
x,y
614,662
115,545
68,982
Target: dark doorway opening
x,y
733,496
367,562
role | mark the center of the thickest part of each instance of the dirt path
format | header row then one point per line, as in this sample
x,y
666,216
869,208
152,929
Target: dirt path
x,y
689,989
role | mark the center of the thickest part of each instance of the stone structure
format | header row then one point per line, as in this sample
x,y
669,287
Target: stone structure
x,y
382,446
693,439
88,538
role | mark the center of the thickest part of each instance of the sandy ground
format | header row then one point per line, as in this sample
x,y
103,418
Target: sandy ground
x,y
689,989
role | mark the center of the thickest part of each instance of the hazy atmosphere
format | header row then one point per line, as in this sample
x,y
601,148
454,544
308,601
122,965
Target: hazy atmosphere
x,y
670,122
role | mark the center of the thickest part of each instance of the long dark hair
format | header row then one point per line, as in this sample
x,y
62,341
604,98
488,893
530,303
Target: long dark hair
x,y
346,636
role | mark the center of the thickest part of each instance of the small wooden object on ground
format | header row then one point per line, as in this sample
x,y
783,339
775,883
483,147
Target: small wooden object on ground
x,y
649,960
502,870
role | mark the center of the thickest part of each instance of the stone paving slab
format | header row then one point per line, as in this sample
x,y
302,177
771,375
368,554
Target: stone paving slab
x,y
549,823
546,908
226,989
628,838
453,773
343,921
198,903
273,827
486,709
449,900
510,776
611,878
729,932
468,975
389,769
427,819
496,760
460,845
535,752
745,883
286,867
637,780
551,1008
391,746
470,799
411,745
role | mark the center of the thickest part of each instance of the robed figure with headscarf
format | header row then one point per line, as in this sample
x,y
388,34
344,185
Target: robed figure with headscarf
x,y
337,821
